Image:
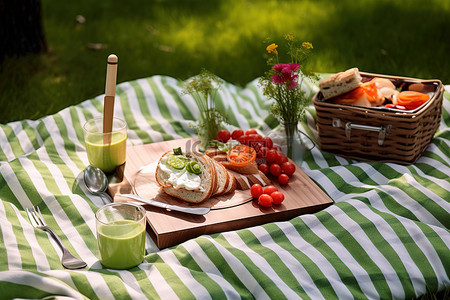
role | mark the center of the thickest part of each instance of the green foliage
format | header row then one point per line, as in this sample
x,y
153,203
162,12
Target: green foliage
x,y
204,89
180,37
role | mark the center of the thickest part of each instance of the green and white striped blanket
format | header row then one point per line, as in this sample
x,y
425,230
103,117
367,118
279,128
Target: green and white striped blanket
x,y
386,236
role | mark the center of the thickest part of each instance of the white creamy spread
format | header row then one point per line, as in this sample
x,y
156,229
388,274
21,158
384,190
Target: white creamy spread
x,y
181,178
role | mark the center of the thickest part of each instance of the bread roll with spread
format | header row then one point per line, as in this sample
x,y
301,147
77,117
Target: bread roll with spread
x,y
192,177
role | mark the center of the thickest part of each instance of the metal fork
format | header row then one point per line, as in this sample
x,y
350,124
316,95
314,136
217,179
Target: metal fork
x,y
68,260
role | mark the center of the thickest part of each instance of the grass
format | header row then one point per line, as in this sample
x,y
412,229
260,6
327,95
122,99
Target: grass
x,y
178,38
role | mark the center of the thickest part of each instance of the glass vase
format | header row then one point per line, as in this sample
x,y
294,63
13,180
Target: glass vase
x,y
207,129
289,138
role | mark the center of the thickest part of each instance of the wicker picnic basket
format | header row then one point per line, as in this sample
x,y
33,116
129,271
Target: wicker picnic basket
x,y
380,134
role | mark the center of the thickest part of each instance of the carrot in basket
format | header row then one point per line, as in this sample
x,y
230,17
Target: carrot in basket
x,y
411,99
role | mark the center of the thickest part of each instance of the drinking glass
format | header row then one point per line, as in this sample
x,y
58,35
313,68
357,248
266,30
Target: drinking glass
x,y
121,235
106,151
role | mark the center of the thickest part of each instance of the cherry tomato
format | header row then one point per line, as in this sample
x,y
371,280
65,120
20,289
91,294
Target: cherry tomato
x,y
267,141
265,200
270,189
283,179
254,140
251,131
264,168
243,139
256,190
280,158
223,135
288,168
271,155
277,197
275,169
237,134
262,152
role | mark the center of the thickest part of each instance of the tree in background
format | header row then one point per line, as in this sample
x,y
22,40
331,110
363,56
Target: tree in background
x,y
21,30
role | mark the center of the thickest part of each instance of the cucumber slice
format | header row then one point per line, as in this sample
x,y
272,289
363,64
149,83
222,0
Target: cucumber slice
x,y
193,167
175,162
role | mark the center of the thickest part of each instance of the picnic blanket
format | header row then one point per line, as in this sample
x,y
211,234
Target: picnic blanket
x,y
386,236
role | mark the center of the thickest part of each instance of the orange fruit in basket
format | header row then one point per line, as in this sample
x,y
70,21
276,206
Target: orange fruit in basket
x,y
241,155
411,99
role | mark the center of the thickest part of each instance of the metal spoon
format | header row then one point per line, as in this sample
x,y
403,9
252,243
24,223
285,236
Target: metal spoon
x,y
96,182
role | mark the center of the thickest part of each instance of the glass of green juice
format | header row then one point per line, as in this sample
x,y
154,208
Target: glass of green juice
x,y
106,151
121,235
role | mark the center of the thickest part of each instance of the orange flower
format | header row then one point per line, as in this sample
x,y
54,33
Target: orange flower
x,y
272,48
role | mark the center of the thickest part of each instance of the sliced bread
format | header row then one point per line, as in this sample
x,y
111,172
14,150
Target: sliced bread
x,y
340,83
208,180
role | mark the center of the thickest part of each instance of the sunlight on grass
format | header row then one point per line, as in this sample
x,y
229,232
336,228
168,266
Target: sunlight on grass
x,y
228,37
224,29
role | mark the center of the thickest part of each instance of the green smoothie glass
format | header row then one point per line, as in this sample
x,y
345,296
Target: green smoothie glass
x,y
106,151
121,235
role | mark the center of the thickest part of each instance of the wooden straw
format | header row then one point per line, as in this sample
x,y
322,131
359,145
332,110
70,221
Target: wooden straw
x,y
110,92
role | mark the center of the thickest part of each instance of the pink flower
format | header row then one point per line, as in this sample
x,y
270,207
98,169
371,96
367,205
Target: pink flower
x,y
285,74
293,84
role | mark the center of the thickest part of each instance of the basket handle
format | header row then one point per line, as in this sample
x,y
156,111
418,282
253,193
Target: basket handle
x,y
349,126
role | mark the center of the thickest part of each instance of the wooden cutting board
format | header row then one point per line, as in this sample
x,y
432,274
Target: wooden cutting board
x,y
229,212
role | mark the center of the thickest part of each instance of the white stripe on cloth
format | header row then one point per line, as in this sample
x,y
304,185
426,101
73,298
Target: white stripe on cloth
x,y
174,109
389,235
6,147
421,240
130,283
161,286
141,122
197,289
392,279
14,185
359,273
10,241
45,284
235,240
316,256
209,268
240,270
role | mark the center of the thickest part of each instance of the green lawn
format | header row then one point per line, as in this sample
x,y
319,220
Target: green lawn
x,y
178,38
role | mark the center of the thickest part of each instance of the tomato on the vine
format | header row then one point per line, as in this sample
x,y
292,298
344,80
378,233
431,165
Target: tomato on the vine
x,y
265,200
223,135
288,168
283,179
277,197
256,190
251,131
270,189
237,133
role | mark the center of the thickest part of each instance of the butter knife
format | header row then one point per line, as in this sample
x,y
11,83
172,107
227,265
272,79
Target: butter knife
x,y
188,210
